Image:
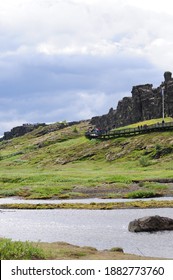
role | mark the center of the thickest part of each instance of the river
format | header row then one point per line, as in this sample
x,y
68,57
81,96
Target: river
x,y
102,229
12,200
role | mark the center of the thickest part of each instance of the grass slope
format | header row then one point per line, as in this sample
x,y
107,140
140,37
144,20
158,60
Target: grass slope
x,y
52,163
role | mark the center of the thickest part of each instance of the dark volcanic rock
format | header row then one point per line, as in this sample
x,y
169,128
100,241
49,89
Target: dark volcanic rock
x,y
145,104
21,130
151,223
26,128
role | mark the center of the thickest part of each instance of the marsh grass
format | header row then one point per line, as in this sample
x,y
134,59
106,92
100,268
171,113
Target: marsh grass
x,y
42,183
141,194
94,206
155,186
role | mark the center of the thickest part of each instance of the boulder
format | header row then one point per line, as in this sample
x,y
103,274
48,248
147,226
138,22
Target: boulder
x,y
151,223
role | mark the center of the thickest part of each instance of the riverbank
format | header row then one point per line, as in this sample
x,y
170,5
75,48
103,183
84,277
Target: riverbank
x,y
62,250
14,250
141,204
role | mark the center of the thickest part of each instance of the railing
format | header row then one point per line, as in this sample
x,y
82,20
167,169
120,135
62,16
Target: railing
x,y
103,134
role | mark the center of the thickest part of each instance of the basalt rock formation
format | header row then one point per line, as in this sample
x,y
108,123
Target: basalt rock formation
x,y
146,103
26,128
21,130
151,223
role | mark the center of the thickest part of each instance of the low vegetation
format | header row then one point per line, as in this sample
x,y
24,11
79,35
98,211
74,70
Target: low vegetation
x,y
17,250
61,163
94,205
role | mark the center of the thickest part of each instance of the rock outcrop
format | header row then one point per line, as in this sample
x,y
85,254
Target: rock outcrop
x,y
151,223
26,128
145,103
21,130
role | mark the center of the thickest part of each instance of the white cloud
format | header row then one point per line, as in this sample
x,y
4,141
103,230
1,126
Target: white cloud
x,y
159,6
85,27
61,54
100,48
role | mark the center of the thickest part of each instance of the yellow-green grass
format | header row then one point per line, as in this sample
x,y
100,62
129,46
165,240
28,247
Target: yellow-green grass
x,y
94,206
147,122
55,164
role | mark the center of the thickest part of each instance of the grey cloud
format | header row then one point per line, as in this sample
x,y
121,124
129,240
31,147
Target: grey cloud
x,y
58,63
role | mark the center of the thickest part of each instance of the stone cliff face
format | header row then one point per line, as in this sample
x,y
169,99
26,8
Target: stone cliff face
x,y
146,103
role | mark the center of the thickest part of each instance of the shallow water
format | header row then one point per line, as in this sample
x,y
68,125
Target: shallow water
x,y
9,200
102,229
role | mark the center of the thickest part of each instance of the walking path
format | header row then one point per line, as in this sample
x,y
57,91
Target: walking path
x,y
102,134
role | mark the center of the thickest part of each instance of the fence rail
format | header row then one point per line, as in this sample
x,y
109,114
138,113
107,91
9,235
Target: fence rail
x,y
103,134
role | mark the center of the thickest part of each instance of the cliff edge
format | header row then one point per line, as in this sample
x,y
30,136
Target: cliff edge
x,y
146,103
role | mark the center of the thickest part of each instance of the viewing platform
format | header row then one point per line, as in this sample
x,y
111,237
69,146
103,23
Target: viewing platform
x,y
103,134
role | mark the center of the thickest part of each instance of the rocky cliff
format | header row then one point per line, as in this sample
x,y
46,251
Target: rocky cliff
x,y
145,103
44,129
20,130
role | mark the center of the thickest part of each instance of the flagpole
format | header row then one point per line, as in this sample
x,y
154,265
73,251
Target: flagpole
x,y
163,103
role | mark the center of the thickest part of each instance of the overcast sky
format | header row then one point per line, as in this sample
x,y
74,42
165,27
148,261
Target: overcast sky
x,y
74,59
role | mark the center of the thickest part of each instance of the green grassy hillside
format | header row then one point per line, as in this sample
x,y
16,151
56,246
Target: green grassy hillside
x,y
49,163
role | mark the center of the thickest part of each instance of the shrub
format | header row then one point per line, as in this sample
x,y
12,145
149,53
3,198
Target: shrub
x,y
117,249
17,250
75,130
143,161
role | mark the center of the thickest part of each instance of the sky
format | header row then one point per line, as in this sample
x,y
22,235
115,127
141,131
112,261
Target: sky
x,y
75,59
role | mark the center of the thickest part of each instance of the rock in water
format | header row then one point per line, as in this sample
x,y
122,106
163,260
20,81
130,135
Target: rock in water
x,y
151,223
